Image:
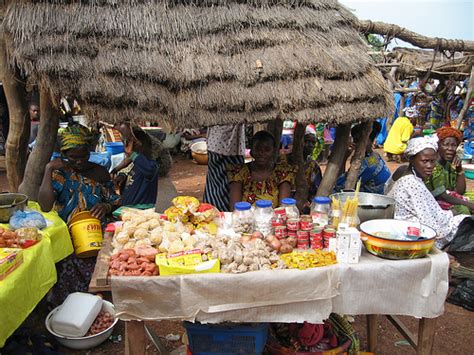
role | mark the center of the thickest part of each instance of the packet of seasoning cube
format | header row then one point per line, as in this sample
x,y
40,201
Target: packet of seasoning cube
x,y
10,259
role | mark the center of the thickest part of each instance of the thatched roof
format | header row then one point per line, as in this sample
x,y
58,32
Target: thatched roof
x,y
416,62
196,63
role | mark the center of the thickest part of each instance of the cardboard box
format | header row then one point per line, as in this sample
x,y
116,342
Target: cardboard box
x,y
10,259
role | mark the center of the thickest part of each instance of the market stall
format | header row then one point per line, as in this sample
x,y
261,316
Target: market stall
x,y
24,287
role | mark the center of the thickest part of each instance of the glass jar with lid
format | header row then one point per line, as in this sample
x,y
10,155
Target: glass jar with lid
x,y
320,210
292,211
263,217
242,218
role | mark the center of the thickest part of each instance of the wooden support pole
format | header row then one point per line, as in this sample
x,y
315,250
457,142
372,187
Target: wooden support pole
x,y
298,159
336,160
135,340
467,101
372,320
19,132
414,38
45,143
426,335
275,127
359,156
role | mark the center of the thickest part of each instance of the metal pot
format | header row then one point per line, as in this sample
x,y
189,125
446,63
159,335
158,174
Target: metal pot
x,y
10,203
371,206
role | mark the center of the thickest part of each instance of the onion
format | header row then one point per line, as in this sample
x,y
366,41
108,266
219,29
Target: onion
x,y
276,244
245,238
257,234
270,238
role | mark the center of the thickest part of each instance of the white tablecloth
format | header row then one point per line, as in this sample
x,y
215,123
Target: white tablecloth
x,y
374,286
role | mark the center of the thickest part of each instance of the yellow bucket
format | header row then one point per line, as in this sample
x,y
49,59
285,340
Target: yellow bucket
x,y
86,237
79,216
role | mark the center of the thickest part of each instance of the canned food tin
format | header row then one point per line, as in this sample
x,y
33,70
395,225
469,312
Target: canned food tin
x,y
316,233
278,222
413,231
306,223
317,245
291,233
302,245
293,224
302,234
329,233
281,232
280,212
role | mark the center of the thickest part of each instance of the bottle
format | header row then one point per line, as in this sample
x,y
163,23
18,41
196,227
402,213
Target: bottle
x,y
291,210
242,218
320,209
263,217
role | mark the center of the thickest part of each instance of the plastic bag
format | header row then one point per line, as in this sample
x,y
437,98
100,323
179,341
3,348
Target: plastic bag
x,y
21,219
463,240
463,295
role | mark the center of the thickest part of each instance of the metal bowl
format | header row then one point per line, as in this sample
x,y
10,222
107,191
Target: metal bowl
x,y
371,206
86,342
10,203
396,248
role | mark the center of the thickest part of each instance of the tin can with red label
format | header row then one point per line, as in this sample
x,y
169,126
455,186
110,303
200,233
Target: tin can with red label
x,y
306,223
413,232
281,232
302,234
280,212
278,221
317,244
302,245
328,233
293,224
291,233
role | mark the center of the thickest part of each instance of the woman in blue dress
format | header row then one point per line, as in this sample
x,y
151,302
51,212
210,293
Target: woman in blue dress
x,y
72,184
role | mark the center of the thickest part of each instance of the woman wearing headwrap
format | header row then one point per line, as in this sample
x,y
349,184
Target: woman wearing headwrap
x,y
399,134
413,201
72,184
448,183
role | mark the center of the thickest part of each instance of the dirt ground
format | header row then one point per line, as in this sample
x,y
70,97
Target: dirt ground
x,y
453,336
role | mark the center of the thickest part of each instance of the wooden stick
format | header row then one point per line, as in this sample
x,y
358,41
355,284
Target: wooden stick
x,y
135,340
359,156
372,320
467,101
335,160
414,38
426,333
298,159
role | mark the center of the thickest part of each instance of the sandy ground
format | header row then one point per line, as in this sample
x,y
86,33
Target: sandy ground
x,y
453,336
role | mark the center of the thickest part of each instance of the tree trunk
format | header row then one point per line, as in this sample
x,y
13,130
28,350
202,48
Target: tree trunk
x,y
298,159
19,131
275,127
336,160
414,38
45,143
467,101
359,156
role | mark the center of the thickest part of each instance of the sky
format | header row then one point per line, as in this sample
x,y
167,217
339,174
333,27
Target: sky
x,y
453,19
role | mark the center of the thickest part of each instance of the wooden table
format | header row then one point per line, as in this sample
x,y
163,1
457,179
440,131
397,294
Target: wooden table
x,y
135,332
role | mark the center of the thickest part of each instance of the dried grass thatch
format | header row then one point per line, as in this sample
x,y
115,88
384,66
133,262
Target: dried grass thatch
x,y
199,63
417,62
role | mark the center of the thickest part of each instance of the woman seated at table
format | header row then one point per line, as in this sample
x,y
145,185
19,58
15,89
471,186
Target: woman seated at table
x,y
448,183
262,179
72,184
413,201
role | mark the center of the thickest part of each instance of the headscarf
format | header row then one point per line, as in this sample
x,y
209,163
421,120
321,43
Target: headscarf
x,y
411,112
416,145
310,130
74,136
446,132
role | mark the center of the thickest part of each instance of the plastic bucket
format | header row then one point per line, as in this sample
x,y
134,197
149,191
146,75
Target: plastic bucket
x,y
80,216
86,237
114,147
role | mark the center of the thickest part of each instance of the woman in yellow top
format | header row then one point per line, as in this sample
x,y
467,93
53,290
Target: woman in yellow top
x,y
262,179
399,134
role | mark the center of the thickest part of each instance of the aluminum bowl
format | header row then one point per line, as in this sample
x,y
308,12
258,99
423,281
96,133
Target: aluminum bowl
x,y
10,203
396,248
371,206
87,342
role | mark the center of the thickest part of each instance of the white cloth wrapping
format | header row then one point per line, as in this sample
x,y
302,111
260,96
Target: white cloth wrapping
x,y
374,286
418,144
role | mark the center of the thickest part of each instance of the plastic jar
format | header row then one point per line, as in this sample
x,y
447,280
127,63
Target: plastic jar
x,y
292,211
242,218
320,209
263,217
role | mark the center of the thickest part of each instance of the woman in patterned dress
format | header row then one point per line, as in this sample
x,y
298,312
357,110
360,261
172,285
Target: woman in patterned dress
x,y
70,185
413,201
262,179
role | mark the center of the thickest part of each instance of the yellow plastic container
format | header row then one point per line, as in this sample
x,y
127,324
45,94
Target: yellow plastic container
x,y
86,236
80,216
